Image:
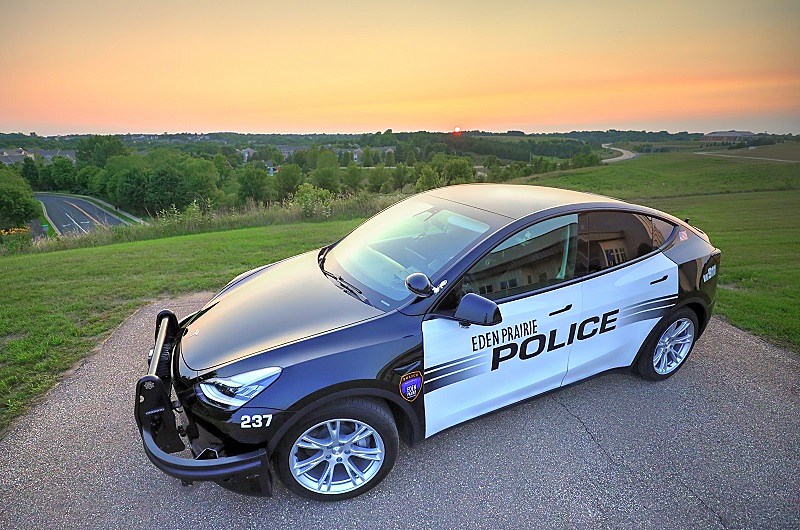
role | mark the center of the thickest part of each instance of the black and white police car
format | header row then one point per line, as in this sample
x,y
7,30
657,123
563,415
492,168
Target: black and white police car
x,y
446,306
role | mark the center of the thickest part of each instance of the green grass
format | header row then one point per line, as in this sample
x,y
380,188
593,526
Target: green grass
x,y
55,307
759,234
785,151
50,231
675,174
749,209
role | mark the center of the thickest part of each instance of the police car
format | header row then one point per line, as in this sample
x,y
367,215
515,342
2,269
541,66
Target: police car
x,y
446,306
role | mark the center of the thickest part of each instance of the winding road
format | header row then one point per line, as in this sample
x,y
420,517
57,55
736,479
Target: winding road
x,y
70,214
624,154
715,446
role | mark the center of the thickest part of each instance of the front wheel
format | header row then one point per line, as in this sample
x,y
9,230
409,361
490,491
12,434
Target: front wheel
x,y
339,451
668,345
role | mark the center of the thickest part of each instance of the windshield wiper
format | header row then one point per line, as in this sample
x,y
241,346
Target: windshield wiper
x,y
344,284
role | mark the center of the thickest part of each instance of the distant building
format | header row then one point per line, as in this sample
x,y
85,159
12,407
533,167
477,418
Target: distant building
x,y
247,153
10,156
358,152
288,150
728,136
15,155
49,155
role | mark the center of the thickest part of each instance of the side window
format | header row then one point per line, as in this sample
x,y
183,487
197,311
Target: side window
x,y
661,231
617,237
535,257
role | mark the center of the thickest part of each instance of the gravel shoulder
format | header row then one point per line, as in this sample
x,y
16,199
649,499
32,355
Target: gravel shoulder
x,y
716,446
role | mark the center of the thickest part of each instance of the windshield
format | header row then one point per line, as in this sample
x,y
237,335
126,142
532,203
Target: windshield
x,y
422,234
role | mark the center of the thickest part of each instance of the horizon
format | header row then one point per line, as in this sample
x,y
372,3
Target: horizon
x,y
320,69
357,133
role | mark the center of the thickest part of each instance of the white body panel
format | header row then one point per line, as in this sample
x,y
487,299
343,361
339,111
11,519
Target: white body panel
x,y
455,352
640,303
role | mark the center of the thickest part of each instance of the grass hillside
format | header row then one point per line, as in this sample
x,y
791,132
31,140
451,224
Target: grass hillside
x,y
748,207
57,306
676,174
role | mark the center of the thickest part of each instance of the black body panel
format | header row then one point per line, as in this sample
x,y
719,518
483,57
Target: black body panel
x,y
369,356
698,269
287,302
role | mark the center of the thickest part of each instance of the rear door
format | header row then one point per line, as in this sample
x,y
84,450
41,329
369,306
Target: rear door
x,y
621,306
473,370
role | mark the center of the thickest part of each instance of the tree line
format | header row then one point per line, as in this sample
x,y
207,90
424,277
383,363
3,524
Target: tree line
x,y
217,176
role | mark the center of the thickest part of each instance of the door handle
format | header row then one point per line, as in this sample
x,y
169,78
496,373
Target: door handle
x,y
562,310
659,280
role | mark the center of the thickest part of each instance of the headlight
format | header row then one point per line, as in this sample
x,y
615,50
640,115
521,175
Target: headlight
x,y
241,388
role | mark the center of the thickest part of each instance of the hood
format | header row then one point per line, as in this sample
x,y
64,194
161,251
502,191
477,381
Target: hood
x,y
274,305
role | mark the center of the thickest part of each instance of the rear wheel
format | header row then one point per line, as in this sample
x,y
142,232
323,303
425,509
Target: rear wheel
x,y
668,345
339,451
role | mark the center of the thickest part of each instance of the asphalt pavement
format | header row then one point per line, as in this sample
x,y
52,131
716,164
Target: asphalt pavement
x,y
624,154
715,446
70,214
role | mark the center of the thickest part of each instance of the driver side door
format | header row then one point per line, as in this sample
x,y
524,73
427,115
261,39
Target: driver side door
x,y
473,369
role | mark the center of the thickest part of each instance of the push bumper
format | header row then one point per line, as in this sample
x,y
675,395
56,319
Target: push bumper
x,y
160,435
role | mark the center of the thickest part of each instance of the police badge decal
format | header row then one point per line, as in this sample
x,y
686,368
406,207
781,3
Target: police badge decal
x,y
411,385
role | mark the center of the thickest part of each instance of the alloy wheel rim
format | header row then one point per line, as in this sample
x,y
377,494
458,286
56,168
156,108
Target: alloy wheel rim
x,y
336,456
673,346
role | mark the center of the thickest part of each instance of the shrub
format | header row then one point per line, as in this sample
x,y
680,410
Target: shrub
x,y
313,200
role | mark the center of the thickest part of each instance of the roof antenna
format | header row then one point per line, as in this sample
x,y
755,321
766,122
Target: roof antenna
x,y
686,220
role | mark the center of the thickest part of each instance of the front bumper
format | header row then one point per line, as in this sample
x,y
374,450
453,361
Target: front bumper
x,y
160,434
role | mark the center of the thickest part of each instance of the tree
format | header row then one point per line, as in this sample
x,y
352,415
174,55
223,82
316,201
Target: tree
x,y
411,157
167,188
287,179
353,177
301,159
106,183
326,178
96,150
17,205
428,179
62,174
390,159
30,172
253,184
311,157
201,178
84,178
132,187
97,183
438,161
491,162
366,157
271,154
327,159
45,179
313,200
458,171
400,176
375,178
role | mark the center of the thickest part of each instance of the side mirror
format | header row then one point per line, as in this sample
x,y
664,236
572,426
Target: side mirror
x,y
475,309
419,284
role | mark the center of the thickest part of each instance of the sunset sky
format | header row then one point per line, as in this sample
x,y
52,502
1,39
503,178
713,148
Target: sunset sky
x,y
109,67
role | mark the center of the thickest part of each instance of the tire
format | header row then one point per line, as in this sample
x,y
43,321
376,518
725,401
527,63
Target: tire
x,y
335,454
665,350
